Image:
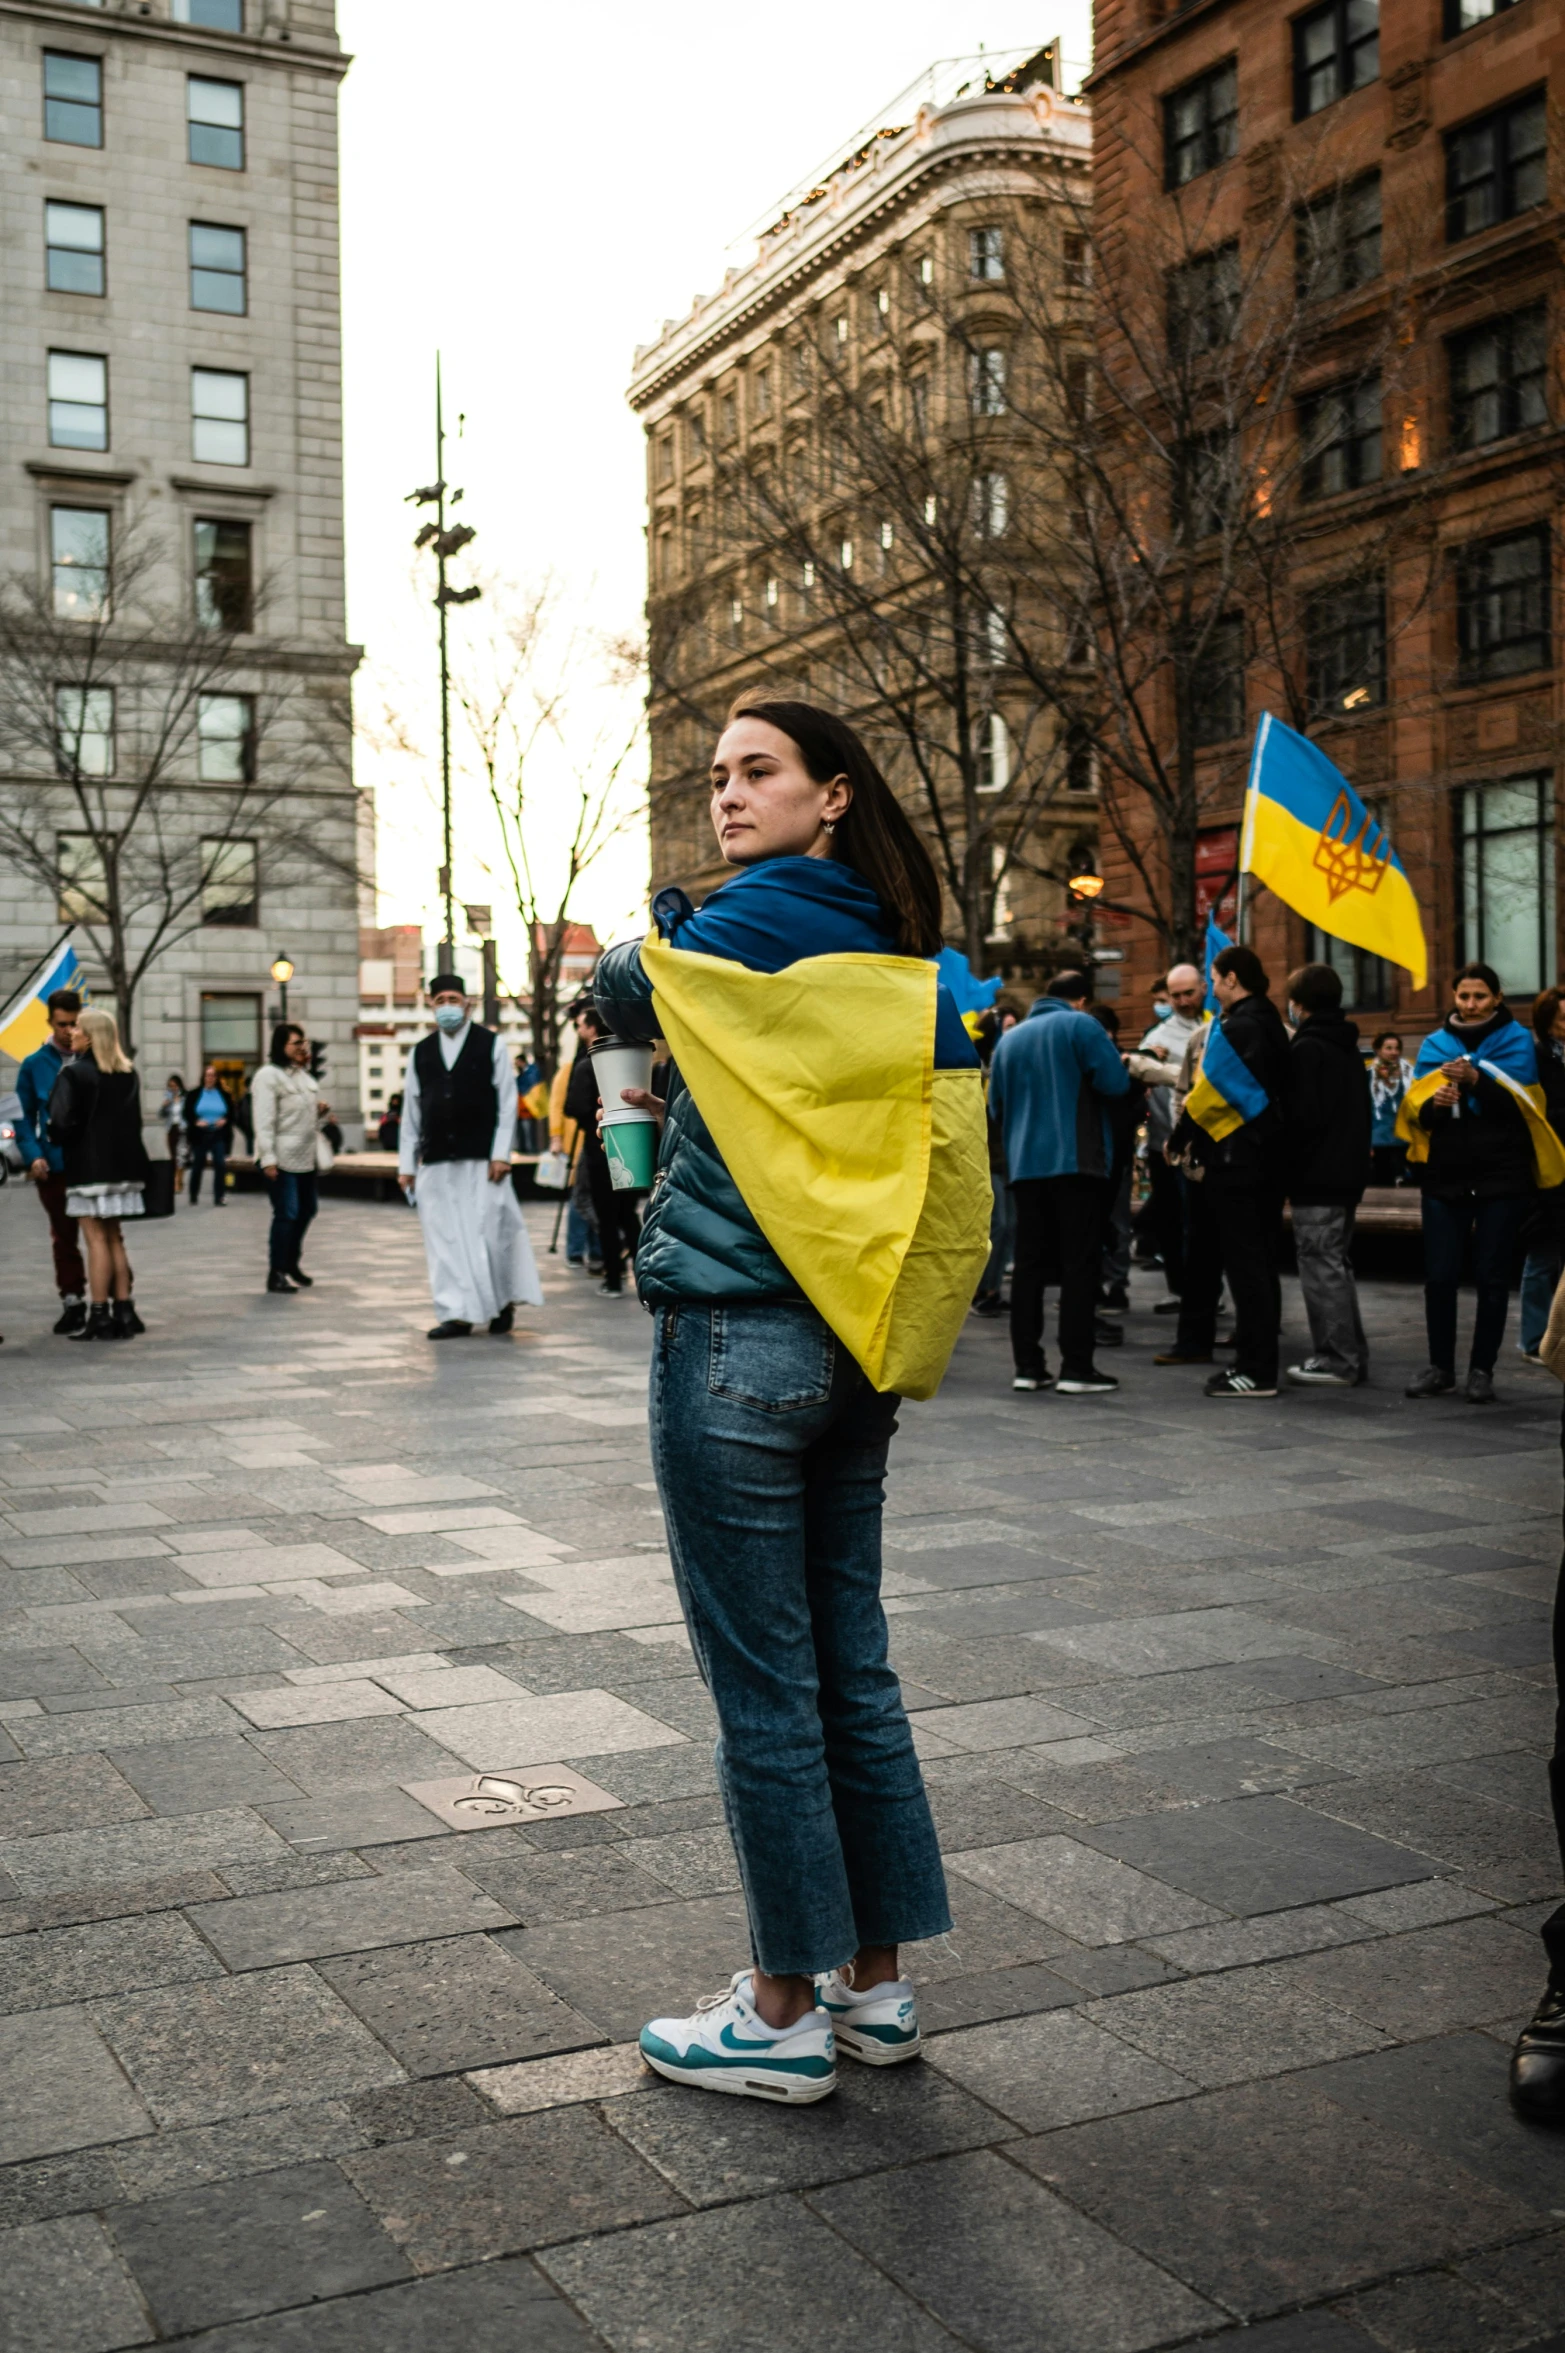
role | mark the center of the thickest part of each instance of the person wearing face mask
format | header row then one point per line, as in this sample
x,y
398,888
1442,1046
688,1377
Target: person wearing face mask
x,y
454,1163
1178,1017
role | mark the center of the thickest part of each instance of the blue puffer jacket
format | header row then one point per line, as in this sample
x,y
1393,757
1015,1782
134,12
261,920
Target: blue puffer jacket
x,y
699,1241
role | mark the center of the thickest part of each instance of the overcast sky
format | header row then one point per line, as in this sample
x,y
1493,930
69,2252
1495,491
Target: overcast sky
x,y
534,189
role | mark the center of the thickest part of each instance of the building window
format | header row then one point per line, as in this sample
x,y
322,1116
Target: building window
x,y
78,401
1366,979
1204,485
1075,262
1496,167
773,597
225,739
880,310
1462,15
1203,303
1499,378
1201,125
1505,841
217,269
986,381
231,1030
991,506
736,620
230,884
986,254
761,392
1217,684
73,249
84,730
219,417
72,99
1340,433
993,750
1502,606
695,437
79,562
1345,647
216,116
84,884
1081,761
216,16
1337,241
1335,49
225,581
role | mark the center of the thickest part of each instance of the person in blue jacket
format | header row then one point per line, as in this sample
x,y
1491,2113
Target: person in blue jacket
x,y
43,1160
770,1443
1050,1082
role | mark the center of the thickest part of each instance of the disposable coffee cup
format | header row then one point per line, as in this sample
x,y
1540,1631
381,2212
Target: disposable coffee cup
x,y
630,1144
619,1063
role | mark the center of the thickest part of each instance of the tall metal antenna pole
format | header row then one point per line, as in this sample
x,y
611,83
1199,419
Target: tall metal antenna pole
x,y
448,944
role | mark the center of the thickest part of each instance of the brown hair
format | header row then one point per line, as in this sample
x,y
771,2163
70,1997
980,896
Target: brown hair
x,y
1245,966
1544,1010
873,834
1315,988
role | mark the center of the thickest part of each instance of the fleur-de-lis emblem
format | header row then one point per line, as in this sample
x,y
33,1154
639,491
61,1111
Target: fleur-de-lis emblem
x,y
1352,858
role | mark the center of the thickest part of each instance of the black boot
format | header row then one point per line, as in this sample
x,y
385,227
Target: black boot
x,y
502,1323
1538,2061
279,1282
98,1325
127,1323
296,1274
73,1314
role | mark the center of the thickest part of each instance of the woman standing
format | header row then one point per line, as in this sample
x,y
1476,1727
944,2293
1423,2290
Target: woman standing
x,y
1543,1233
209,1123
287,1107
1389,1079
95,1117
822,1174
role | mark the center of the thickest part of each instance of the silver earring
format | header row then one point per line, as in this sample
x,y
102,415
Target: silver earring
x,y
830,823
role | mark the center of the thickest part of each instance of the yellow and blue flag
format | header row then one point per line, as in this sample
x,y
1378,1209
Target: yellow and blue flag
x,y
1309,838
1227,1095
24,1022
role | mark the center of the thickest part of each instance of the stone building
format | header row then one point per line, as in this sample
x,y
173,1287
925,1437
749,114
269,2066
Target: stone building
x,y
170,383
835,472
1425,398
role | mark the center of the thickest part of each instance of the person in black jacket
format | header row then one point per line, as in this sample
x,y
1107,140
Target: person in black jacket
x,y
1326,1140
1245,1174
1542,1233
619,1228
95,1118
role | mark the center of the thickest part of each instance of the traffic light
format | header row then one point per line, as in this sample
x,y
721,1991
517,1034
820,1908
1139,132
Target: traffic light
x,y
317,1057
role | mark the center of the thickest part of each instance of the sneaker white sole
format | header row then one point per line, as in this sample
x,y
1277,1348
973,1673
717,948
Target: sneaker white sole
x,y
780,2090
872,2053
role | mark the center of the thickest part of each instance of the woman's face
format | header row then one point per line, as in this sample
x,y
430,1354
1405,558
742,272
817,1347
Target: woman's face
x,y
765,803
1390,1051
79,1043
298,1050
1557,1025
1475,1000
209,1075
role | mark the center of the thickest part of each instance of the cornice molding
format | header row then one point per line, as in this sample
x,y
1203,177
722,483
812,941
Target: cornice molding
x,y
242,48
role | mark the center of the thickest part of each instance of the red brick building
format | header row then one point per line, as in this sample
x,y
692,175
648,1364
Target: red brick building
x,y
1433,677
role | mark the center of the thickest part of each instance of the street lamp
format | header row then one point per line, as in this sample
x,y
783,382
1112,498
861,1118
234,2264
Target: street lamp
x,y
282,973
1085,886
445,542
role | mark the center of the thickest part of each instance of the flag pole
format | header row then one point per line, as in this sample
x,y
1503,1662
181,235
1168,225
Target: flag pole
x,y
1247,825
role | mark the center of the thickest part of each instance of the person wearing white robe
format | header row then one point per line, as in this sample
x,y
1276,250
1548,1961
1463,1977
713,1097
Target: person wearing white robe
x,y
480,1259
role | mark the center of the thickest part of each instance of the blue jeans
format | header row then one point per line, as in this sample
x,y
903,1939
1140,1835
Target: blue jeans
x,y
293,1208
1494,1226
1540,1280
770,1451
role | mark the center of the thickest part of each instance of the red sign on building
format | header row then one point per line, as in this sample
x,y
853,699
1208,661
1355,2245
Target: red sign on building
x,y
1217,876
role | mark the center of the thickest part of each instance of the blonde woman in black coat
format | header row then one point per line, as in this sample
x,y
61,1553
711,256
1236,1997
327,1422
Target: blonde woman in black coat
x,y
95,1118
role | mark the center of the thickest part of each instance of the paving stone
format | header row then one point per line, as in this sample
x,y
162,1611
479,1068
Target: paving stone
x,y
988,1813
989,1994
1501,1852
1423,1904
1054,2068
1091,1898
1258,1854
351,1818
276,2039
1268,1936
1424,1983
126,1850
506,2187
651,1776
1269,2195
64,2290
1438,2312
1006,2265
679,1951
117,1902
500,1735
295,2236
237,2146
256,1932
61,1965
766,2278
688,1862
323,1758
1233,2026
414,2111
198,1776
1449,2095
119,1728
535,2084
1530,2277
570,1886
67,1793
33,1673
49,2186
877,2116
494,2308
454,2004
1516,1780
60,2088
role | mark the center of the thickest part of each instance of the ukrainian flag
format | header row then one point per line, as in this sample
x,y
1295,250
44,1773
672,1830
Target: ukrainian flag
x,y
1309,838
1227,1095
24,1023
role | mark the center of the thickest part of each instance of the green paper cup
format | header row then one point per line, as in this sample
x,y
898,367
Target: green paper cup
x,y
631,1144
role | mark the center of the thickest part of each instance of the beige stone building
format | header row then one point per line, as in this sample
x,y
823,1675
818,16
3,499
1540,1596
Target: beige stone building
x,y
835,465
170,383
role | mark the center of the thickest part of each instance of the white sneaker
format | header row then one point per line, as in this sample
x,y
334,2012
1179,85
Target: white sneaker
x,y
879,2025
726,2047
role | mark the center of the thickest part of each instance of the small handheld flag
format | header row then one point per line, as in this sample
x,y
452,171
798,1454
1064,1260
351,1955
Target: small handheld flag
x,y
1216,941
1227,1095
24,1021
1309,838
972,995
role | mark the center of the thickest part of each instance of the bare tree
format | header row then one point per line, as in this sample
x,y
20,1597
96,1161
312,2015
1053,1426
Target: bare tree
x,y
559,779
150,763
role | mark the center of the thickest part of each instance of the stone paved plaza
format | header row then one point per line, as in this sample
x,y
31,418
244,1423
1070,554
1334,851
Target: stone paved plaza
x,y
1234,1718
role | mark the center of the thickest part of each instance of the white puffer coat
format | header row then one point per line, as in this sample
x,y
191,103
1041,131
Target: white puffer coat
x,y
285,1105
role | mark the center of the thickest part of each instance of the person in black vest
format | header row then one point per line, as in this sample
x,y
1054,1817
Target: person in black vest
x,y
454,1163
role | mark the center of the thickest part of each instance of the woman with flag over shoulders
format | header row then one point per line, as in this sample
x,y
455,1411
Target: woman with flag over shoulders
x,y
819,1219
1475,1119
